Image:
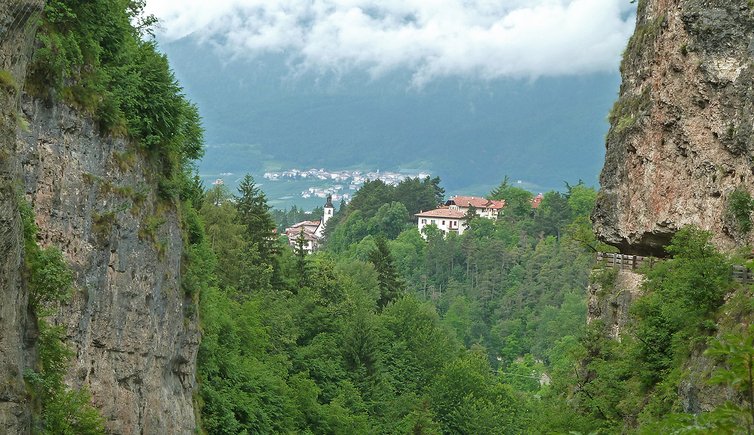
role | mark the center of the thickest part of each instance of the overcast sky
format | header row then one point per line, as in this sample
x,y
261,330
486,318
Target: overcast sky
x,y
477,39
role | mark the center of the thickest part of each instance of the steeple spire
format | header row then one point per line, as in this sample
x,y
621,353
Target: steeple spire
x,y
329,210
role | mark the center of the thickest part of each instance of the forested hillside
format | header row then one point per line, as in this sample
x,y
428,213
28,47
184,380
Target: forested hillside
x,y
382,331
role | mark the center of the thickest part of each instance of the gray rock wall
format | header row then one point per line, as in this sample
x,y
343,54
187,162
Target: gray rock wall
x,y
17,326
134,334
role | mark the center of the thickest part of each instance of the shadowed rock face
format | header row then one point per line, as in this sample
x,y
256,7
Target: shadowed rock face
x,y
17,325
681,131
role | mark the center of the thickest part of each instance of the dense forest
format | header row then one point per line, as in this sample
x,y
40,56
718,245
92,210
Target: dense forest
x,y
386,330
383,331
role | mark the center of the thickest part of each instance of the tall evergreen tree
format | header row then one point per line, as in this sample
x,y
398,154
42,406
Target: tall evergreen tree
x,y
391,285
301,262
254,213
469,216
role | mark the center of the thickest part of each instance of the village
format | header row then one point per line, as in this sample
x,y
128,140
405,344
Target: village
x,y
450,217
344,181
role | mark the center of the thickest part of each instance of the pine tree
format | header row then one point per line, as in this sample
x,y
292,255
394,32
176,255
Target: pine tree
x,y
469,216
301,262
254,213
391,286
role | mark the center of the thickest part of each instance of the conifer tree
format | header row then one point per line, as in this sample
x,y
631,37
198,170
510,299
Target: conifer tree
x,y
517,200
391,285
469,216
254,213
301,263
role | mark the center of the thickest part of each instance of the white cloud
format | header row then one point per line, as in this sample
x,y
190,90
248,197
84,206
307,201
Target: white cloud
x,y
433,38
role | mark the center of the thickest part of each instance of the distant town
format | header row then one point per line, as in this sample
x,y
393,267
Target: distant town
x,y
345,181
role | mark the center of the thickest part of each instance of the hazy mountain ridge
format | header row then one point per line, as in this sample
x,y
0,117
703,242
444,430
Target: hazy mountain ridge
x,y
470,135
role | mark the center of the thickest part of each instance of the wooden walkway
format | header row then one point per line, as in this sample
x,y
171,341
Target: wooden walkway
x,y
739,273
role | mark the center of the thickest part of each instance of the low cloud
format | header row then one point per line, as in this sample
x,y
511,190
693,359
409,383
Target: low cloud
x,y
482,39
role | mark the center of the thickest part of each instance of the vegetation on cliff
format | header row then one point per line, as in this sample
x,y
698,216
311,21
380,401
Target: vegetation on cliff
x,y
635,383
59,409
92,55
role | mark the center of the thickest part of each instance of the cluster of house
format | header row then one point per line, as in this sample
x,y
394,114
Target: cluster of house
x,y
449,218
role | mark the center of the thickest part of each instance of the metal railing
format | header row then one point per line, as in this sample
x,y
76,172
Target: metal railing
x,y
739,273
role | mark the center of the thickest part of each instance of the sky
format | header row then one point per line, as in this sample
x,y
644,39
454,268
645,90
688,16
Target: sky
x,y
469,39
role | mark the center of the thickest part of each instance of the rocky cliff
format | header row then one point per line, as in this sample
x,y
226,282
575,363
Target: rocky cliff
x,y
133,331
680,142
680,151
17,325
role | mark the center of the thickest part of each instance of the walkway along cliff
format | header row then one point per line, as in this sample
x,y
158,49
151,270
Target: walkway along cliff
x,y
132,328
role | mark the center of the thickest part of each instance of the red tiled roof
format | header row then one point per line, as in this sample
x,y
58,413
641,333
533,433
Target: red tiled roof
x,y
294,233
477,202
536,201
442,213
306,224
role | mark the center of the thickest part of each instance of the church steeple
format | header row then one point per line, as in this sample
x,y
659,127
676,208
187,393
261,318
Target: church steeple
x,y
329,210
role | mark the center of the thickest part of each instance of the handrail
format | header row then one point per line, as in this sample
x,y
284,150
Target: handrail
x,y
739,273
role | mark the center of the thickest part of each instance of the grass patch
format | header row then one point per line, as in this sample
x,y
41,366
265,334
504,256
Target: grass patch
x,y
148,230
102,225
21,122
627,111
7,81
125,161
645,34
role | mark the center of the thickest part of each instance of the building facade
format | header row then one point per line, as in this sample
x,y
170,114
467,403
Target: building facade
x,y
451,218
312,232
445,219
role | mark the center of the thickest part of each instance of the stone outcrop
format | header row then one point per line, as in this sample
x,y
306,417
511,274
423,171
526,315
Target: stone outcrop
x,y
681,143
681,139
610,294
17,324
133,331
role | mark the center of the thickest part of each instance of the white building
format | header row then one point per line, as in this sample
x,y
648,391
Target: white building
x,y
311,231
451,217
445,219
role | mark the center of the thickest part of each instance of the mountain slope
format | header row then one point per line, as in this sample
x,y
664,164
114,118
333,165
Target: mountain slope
x,y
544,131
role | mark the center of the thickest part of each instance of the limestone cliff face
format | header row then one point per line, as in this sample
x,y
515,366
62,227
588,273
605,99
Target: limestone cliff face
x,y
681,138
609,300
134,332
17,325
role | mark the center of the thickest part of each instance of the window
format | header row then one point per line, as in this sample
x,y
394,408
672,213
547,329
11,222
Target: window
x,y
443,223
424,221
432,221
